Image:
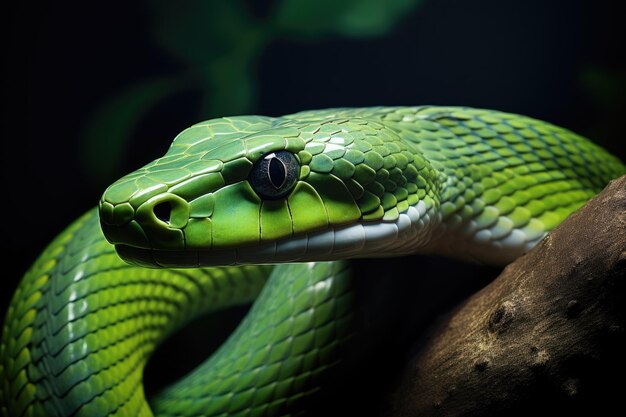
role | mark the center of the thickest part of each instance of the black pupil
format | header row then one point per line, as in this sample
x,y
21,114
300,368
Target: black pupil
x,y
274,175
277,172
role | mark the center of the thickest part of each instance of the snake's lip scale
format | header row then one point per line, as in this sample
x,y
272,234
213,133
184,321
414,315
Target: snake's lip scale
x,y
257,255
408,233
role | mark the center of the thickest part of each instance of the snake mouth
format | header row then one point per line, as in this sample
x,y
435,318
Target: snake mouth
x,y
300,249
262,254
380,239
155,258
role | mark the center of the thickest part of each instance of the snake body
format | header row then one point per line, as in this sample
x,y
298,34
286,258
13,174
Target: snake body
x,y
241,193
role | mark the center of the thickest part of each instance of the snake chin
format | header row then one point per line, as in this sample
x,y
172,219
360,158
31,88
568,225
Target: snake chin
x,y
162,258
147,258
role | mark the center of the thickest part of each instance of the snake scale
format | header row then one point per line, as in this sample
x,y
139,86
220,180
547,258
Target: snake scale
x,y
199,229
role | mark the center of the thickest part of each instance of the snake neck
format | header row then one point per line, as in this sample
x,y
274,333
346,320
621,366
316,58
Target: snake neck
x,y
501,181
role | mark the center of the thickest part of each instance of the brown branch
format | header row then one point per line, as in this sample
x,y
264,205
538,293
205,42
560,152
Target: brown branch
x,y
546,335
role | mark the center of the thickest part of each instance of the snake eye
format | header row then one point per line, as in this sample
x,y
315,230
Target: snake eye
x,y
273,176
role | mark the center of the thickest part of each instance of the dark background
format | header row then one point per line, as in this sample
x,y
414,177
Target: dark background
x,y
80,76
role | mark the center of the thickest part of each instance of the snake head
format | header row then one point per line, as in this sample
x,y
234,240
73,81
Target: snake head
x,y
261,190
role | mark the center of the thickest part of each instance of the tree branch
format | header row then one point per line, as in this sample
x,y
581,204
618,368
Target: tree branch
x,y
546,335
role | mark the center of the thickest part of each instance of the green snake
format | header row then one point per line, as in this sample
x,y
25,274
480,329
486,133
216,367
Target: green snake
x,y
234,195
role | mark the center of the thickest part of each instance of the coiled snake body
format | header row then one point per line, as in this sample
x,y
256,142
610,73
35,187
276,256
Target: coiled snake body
x,y
244,192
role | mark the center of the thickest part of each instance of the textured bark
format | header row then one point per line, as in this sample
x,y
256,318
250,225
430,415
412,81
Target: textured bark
x,y
545,336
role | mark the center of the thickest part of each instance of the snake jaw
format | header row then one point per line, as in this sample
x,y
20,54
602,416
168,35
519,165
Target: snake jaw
x,y
409,233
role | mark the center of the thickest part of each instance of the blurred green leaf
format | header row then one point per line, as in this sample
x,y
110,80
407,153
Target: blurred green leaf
x,y
355,18
606,86
199,31
217,44
219,41
229,87
109,130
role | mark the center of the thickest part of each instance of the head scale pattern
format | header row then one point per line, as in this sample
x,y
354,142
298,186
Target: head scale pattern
x,y
208,196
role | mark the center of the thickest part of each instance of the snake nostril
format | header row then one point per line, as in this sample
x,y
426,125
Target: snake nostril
x,y
163,211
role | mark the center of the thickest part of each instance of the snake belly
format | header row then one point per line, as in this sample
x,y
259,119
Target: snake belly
x,y
196,230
